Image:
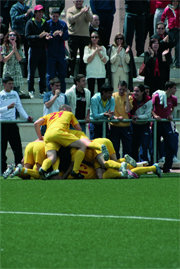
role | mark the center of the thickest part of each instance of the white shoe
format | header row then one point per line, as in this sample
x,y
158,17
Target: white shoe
x,y
8,171
130,160
17,170
123,169
142,164
162,160
175,160
31,95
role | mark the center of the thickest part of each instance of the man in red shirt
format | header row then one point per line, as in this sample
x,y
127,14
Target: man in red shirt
x,y
163,106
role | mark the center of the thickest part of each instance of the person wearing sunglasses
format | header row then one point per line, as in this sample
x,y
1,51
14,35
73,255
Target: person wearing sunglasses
x,y
12,54
120,58
95,58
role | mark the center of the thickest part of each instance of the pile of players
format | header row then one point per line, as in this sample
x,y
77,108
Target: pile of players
x,y
65,153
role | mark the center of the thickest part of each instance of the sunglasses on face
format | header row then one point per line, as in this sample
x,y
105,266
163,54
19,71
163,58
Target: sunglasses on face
x,y
160,28
119,38
12,35
94,37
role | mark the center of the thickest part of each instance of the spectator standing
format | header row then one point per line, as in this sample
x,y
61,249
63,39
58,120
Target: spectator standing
x,y
5,11
49,4
160,6
142,108
172,14
149,26
53,99
134,22
121,131
120,59
78,19
163,106
94,27
12,55
9,102
3,30
102,107
95,57
56,62
157,66
36,32
20,13
79,99
105,9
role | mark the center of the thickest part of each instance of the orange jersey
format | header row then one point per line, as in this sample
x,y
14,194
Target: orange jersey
x,y
60,120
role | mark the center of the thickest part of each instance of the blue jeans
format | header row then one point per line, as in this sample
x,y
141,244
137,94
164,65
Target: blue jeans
x,y
135,24
123,134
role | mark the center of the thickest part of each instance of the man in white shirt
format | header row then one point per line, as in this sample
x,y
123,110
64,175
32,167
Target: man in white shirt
x,y
9,102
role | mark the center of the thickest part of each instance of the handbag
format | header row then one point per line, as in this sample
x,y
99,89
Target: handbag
x,y
142,69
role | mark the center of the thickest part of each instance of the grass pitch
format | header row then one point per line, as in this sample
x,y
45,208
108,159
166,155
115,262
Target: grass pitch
x,y
90,223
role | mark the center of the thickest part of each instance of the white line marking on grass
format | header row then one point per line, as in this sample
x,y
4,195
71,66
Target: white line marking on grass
x,y
86,216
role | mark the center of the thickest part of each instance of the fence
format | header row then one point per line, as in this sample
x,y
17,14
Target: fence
x,y
103,122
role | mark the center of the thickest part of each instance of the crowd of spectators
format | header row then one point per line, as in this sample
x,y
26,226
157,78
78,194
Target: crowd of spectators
x,y
39,36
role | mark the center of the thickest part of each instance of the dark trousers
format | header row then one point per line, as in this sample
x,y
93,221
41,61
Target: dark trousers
x,y
75,43
57,67
106,22
135,24
10,133
140,137
26,48
96,131
123,134
37,59
91,84
164,129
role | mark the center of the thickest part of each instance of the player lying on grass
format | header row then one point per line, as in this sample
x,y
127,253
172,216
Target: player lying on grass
x,y
58,134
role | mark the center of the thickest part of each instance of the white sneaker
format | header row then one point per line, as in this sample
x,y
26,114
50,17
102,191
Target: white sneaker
x,y
175,160
123,170
31,95
17,170
8,171
142,164
162,160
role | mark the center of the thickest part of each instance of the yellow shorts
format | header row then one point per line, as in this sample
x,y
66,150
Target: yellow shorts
x,y
28,154
39,152
54,139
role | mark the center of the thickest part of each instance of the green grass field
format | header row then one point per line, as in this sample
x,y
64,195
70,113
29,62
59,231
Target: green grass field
x,y
90,223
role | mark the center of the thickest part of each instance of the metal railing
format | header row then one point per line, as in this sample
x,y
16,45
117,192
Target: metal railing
x,y
103,122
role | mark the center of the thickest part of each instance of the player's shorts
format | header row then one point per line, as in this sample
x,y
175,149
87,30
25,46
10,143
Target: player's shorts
x,y
54,139
39,152
28,154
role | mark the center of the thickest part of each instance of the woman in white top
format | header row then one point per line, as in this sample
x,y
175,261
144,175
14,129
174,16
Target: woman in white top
x,y
95,57
120,59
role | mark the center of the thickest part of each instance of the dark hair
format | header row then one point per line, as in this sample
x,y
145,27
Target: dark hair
x,y
160,22
142,89
7,42
169,84
115,38
122,83
7,78
54,80
146,87
78,78
96,33
152,41
106,87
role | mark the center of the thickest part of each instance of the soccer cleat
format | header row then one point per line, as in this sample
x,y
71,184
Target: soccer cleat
x,y
158,170
8,171
42,173
17,170
105,152
130,160
142,164
132,175
76,175
51,174
123,169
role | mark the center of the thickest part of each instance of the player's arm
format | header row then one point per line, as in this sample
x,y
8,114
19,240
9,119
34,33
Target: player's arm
x,y
37,126
77,127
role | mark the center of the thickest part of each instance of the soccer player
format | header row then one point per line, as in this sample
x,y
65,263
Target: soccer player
x,y
58,135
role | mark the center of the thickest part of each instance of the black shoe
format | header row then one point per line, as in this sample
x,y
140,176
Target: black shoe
x,y
42,173
77,175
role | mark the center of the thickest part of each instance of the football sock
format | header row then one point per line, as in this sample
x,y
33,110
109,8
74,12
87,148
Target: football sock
x,y
46,164
144,170
30,172
56,164
111,173
112,164
78,158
